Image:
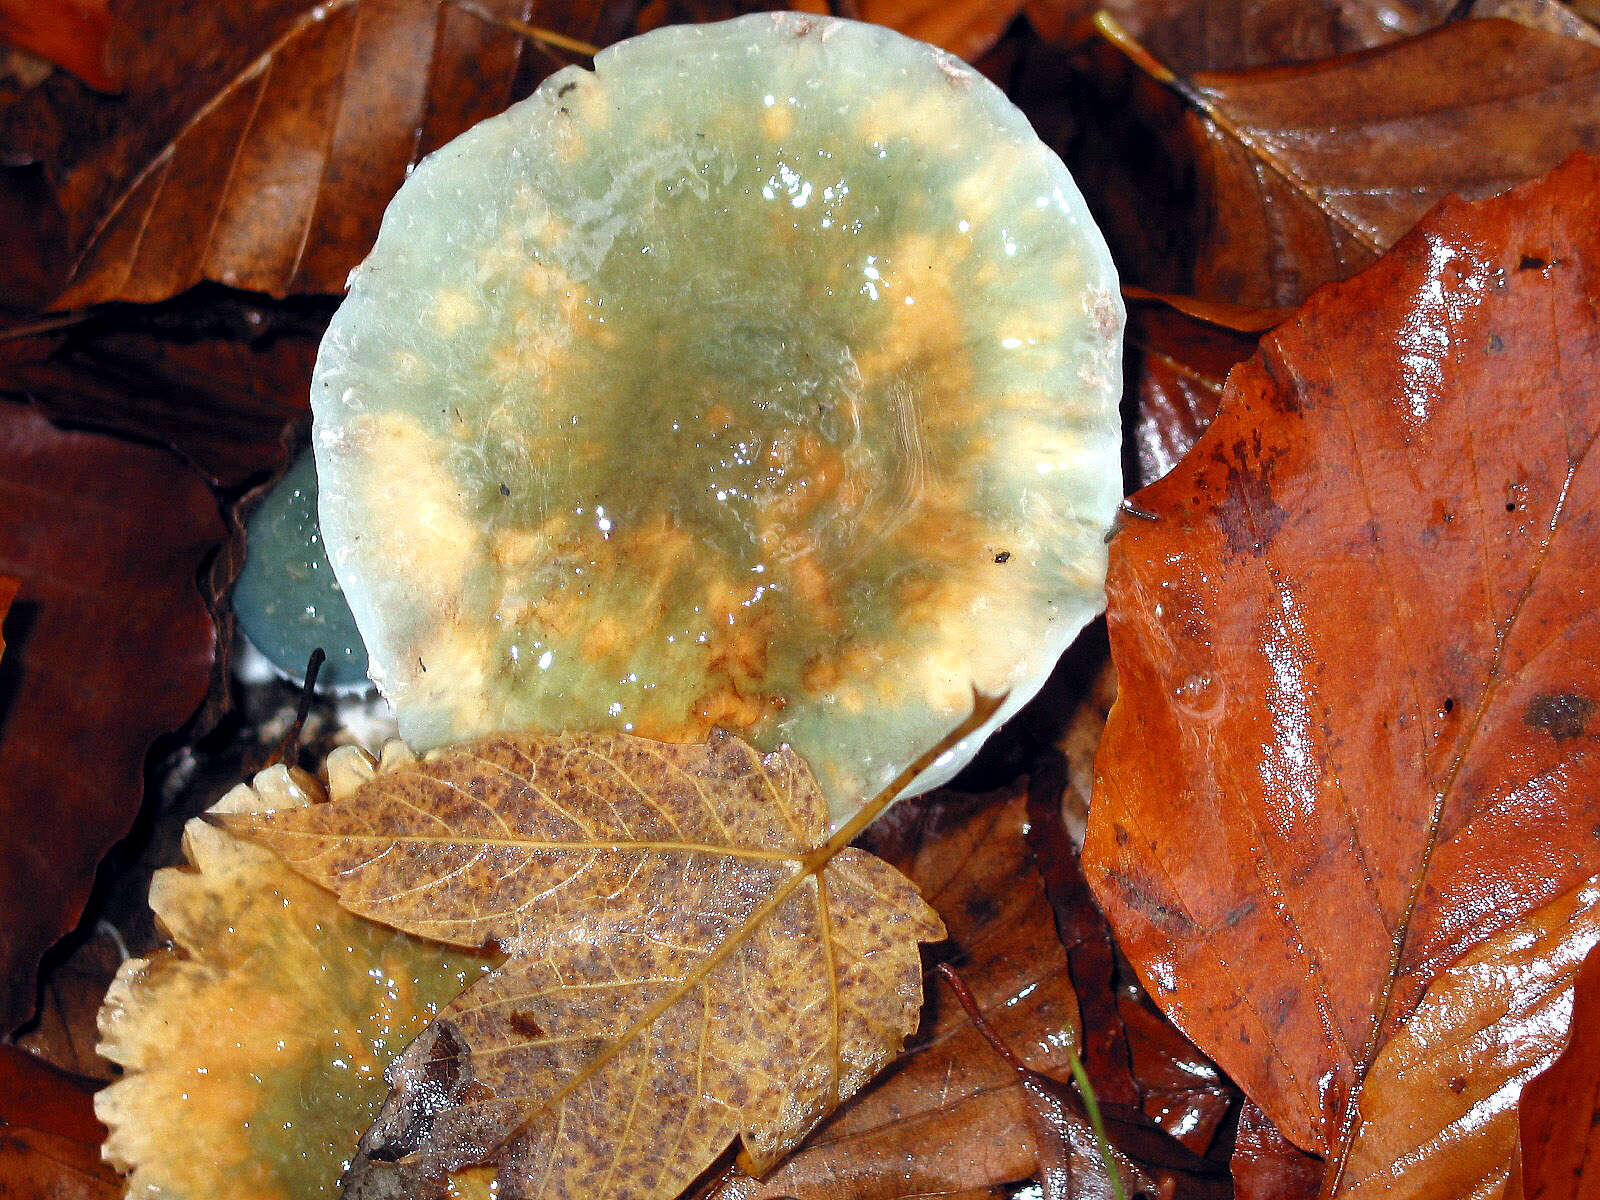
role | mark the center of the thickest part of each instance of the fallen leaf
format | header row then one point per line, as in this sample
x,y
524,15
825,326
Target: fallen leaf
x,y
73,34
1268,1166
1228,35
255,1047
111,646
223,379
1133,1057
966,28
1308,173
1402,477
49,1138
258,144
948,1116
1177,364
64,1032
8,593
1438,1117
692,956
1561,1108
1075,1157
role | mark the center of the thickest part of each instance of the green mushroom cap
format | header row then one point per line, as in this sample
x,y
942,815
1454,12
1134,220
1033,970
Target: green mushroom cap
x,y
764,377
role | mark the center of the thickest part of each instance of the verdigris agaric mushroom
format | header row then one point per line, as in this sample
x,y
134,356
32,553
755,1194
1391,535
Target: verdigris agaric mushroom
x,y
765,377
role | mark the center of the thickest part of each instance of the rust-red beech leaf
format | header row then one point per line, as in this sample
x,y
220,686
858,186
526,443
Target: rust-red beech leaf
x,y
1358,730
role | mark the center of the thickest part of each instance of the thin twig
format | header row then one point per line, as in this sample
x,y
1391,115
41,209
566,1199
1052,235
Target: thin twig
x,y
545,37
289,749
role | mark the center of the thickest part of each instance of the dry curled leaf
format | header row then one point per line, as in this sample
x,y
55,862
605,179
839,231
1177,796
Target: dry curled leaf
x,y
1308,173
692,957
1404,475
255,1047
111,646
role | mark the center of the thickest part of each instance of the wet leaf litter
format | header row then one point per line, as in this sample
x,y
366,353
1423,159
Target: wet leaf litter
x,y
1175,379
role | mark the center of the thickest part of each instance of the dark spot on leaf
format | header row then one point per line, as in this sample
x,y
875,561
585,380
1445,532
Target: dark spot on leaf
x,y
1563,715
1239,912
1121,834
430,1087
1163,916
1003,557
567,87
1496,343
524,1024
1532,262
982,909
1249,515
504,490
1458,1084
1450,704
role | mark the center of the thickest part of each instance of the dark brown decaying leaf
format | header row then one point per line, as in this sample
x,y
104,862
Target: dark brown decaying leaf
x,y
258,143
692,957
1268,1166
65,1032
1135,1060
1176,366
1561,1108
1230,35
1291,845
111,645
49,1138
1309,173
222,379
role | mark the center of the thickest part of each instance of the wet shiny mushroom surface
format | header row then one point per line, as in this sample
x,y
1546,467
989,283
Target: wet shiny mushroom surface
x,y
765,377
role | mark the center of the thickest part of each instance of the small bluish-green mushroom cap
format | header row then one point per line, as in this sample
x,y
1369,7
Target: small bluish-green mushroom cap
x,y
287,600
765,377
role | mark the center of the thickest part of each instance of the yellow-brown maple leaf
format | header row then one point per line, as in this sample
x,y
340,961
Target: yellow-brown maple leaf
x,y
691,957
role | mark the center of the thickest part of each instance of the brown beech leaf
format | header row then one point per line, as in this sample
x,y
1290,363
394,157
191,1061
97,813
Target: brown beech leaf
x,y
1213,35
1561,1108
258,143
692,957
1357,735
1268,1166
949,1116
1438,1117
221,378
49,1138
1308,173
111,645
1176,365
